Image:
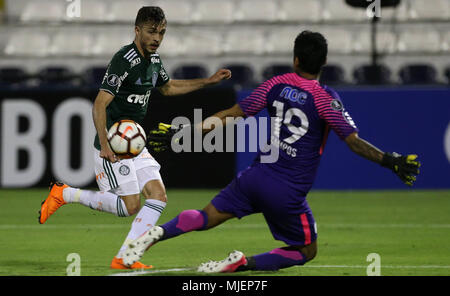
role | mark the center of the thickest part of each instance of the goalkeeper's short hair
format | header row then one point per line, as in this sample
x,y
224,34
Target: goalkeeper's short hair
x,y
311,49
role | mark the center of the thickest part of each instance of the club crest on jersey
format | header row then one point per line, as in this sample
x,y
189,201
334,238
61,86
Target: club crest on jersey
x,y
124,170
294,95
336,105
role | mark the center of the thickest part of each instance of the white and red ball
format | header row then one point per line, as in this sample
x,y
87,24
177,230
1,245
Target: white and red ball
x,y
126,138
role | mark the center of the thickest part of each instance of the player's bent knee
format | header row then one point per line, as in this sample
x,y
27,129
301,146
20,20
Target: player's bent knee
x,y
133,210
312,255
132,204
310,251
215,217
154,190
161,196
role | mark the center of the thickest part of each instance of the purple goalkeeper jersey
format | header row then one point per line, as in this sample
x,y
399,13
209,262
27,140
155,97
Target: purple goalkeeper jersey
x,y
304,111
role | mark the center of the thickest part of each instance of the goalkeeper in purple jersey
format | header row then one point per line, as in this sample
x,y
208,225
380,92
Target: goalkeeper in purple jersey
x,y
305,111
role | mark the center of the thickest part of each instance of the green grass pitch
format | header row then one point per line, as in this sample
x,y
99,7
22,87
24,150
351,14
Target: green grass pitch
x,y
410,230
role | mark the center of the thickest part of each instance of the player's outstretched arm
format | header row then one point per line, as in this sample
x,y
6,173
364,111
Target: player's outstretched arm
x,y
405,167
364,148
234,112
160,139
176,87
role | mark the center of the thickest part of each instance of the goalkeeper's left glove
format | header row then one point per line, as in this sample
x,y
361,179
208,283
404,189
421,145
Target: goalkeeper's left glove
x,y
405,167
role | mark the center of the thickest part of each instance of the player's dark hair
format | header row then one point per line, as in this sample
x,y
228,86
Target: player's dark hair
x,y
152,14
311,49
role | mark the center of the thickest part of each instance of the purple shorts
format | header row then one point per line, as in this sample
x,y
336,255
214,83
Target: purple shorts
x,y
257,190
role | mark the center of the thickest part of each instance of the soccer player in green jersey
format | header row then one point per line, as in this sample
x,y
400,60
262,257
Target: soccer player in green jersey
x,y
134,71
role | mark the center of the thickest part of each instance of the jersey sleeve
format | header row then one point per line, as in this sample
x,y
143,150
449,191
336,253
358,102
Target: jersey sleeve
x,y
163,77
257,100
331,109
115,74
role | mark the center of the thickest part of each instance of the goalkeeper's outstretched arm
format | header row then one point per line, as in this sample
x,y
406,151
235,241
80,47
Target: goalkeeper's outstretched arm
x,y
364,148
234,112
160,139
405,167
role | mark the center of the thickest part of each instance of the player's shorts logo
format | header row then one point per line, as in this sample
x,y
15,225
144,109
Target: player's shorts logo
x,y
124,170
113,80
337,105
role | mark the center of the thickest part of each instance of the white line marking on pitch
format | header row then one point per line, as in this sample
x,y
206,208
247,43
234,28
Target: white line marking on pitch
x,y
134,273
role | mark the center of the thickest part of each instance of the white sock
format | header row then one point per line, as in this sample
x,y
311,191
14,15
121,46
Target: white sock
x,y
145,219
97,200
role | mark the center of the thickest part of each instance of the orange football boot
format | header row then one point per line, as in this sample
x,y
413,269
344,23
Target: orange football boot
x,y
53,202
117,263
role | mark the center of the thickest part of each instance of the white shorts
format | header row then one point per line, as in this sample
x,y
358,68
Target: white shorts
x,y
127,176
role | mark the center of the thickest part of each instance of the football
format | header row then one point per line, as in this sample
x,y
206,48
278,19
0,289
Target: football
x,y
126,138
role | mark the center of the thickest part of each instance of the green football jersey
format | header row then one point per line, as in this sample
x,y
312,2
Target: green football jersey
x,y
130,78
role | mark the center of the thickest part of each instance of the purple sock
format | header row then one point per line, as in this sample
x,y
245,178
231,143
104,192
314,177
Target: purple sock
x,y
186,221
277,259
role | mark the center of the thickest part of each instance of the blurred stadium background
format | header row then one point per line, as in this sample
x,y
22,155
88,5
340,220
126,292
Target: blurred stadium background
x,y
52,61
257,34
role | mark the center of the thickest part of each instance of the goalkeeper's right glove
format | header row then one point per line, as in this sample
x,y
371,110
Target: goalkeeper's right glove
x,y
160,139
405,167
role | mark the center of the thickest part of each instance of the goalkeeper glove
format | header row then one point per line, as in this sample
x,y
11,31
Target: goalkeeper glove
x,y
160,139
405,167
